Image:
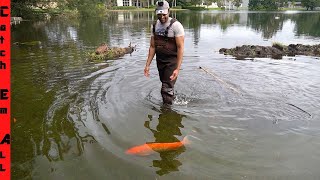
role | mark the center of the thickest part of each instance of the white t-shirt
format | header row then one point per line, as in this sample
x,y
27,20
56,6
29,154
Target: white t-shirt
x,y
175,30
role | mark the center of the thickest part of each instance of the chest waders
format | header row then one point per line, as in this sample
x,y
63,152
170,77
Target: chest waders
x,y
166,56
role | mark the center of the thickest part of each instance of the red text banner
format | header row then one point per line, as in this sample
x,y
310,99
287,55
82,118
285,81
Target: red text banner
x,y
5,89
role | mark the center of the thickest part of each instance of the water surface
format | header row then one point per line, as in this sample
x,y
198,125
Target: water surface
x,y
252,119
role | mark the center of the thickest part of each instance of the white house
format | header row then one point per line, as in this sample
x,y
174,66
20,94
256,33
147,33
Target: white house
x,y
294,4
245,3
230,5
212,5
124,2
227,4
137,3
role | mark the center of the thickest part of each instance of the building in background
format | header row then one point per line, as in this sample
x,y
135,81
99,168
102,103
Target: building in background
x,y
146,3
245,4
137,3
227,4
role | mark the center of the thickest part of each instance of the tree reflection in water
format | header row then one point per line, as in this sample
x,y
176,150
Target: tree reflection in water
x,y
166,131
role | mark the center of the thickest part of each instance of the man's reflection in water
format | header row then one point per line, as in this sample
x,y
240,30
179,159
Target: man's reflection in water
x,y
168,127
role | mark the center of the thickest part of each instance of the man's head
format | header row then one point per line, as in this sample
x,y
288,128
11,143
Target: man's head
x,y
162,10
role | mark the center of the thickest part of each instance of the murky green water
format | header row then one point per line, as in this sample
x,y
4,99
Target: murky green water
x,y
75,119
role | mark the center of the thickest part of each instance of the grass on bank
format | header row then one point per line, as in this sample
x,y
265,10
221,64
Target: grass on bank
x,y
292,9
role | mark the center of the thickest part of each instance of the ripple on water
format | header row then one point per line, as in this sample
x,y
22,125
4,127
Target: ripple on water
x,y
115,107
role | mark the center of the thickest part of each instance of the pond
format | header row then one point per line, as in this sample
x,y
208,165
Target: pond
x,y
253,119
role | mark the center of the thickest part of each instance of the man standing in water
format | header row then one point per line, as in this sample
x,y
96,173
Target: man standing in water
x,y
167,42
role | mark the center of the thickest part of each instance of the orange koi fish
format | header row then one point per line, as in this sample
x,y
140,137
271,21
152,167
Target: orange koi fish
x,y
149,148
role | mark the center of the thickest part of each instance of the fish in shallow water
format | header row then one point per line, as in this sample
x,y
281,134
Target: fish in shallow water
x,y
149,148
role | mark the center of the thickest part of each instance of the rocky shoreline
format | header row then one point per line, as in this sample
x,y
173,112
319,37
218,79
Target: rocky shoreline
x,y
276,51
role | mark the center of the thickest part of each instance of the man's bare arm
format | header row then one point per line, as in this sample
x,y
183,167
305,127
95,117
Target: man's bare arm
x,y
180,48
152,52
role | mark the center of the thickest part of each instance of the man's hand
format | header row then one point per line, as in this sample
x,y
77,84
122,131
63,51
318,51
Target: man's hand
x,y
174,75
146,71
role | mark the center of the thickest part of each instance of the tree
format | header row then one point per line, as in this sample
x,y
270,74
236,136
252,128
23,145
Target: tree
x,y
310,4
110,3
208,2
22,7
263,5
183,3
237,3
25,8
282,3
254,4
196,2
220,3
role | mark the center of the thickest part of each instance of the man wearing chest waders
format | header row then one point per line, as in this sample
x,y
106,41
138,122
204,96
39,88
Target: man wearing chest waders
x,y
167,42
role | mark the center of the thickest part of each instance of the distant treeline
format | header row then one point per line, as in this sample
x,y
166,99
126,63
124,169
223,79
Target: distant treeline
x,y
276,4
30,8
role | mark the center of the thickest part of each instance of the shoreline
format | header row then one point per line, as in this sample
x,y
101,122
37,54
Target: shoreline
x,y
140,9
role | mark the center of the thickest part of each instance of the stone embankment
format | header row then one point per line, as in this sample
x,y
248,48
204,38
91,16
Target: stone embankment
x,y
276,51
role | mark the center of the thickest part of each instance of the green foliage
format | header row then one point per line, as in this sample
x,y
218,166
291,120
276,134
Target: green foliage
x,y
124,7
263,5
237,3
183,3
151,7
177,7
86,8
67,13
208,2
310,4
21,10
215,8
98,57
278,44
30,8
195,2
112,53
30,2
275,4
194,8
283,3
220,4
110,3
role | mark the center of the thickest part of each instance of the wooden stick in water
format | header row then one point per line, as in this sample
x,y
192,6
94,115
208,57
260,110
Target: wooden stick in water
x,y
219,80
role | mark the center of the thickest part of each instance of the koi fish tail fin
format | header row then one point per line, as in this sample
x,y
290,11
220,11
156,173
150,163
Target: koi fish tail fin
x,y
186,140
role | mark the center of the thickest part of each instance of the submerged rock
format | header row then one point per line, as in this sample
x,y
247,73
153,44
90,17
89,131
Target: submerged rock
x,y
276,51
103,52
